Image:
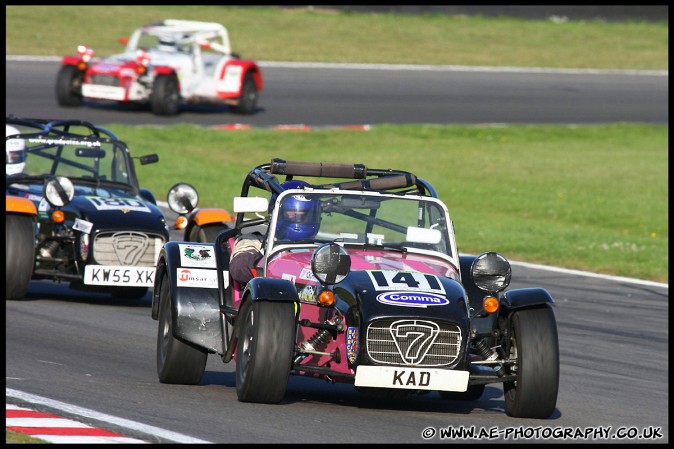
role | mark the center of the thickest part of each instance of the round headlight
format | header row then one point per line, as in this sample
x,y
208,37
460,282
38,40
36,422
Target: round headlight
x,y
330,263
182,198
491,272
58,191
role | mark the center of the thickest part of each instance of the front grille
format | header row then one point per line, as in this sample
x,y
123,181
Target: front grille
x,y
127,248
105,80
413,342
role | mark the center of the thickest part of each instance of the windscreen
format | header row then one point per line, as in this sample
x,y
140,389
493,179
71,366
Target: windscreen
x,y
392,220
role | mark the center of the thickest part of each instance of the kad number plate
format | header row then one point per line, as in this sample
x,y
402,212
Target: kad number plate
x,y
119,275
411,378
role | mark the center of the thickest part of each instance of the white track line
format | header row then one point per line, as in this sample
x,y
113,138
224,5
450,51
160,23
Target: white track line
x,y
92,414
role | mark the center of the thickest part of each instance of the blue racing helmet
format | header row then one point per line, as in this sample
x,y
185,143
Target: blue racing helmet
x,y
299,216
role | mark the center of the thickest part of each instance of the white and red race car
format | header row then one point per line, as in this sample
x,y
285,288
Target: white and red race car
x,y
164,64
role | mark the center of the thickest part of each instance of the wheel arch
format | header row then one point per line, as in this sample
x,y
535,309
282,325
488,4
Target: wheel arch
x,y
270,289
15,204
71,60
526,297
203,217
254,70
247,67
166,70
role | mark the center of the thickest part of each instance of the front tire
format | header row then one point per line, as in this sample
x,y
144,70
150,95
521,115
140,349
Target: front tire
x,y
178,362
534,344
69,86
165,98
19,254
264,351
206,233
249,95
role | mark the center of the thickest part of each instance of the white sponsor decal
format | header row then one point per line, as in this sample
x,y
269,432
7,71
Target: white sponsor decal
x,y
288,277
196,277
104,92
83,226
385,280
197,255
308,275
83,143
20,187
119,275
232,79
105,203
43,206
411,378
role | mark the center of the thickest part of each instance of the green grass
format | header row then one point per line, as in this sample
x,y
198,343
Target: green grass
x,y
20,438
584,197
304,34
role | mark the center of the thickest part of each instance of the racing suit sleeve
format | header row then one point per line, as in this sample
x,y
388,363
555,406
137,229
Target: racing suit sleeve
x,y
247,251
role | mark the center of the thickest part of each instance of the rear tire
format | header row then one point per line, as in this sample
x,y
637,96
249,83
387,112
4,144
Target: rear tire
x,y
249,95
535,345
178,362
165,98
19,254
69,86
264,351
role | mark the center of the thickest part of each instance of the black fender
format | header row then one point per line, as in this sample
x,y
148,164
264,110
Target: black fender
x,y
195,310
270,289
525,297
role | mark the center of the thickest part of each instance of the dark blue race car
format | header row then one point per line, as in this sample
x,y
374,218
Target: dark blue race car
x,y
75,211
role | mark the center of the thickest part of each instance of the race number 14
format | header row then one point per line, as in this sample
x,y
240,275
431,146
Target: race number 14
x,y
405,281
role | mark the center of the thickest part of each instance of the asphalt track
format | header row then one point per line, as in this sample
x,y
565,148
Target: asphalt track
x,y
88,358
349,94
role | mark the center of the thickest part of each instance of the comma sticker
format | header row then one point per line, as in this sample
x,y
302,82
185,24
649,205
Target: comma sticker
x,y
412,299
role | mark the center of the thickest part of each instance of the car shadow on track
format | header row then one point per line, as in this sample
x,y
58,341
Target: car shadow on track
x,y
308,390
50,290
202,108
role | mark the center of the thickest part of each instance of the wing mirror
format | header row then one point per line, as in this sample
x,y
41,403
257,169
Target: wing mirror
x,y
182,198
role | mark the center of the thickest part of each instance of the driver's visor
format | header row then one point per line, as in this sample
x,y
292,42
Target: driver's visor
x,y
301,211
15,157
